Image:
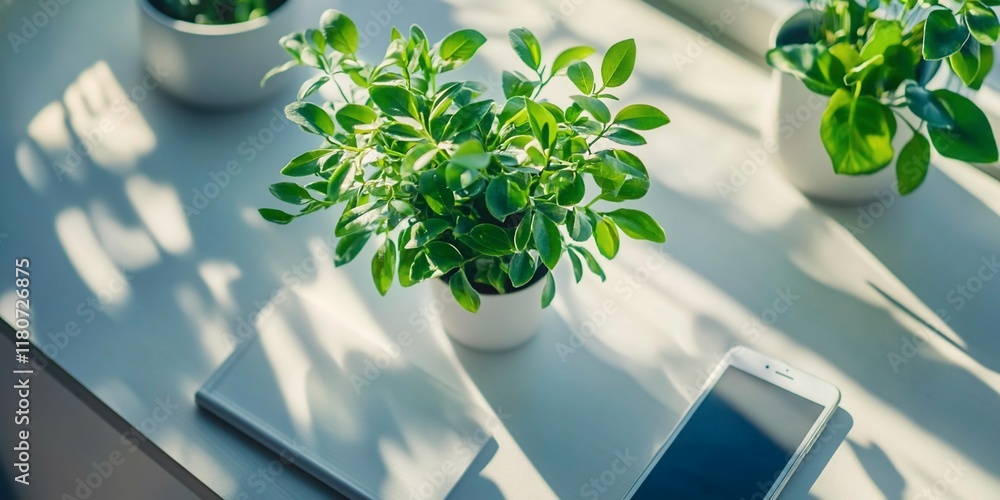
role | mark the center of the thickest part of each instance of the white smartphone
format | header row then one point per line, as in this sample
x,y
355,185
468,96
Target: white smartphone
x,y
743,435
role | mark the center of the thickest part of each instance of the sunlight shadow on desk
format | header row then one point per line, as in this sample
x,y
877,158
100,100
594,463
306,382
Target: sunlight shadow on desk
x,y
880,469
357,414
558,417
942,243
827,444
840,319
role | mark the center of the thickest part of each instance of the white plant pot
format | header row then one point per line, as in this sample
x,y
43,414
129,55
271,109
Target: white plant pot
x,y
791,131
217,66
503,322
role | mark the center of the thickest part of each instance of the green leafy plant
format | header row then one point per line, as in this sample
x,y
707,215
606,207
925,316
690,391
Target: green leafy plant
x,y
874,58
216,11
488,195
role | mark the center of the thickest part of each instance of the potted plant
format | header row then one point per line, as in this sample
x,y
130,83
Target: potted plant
x,y
211,53
858,74
478,197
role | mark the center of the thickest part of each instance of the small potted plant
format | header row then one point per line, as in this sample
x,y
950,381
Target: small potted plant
x,y
480,198
211,53
853,77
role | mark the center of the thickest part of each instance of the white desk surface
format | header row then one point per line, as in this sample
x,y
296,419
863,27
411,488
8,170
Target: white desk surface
x,y
929,422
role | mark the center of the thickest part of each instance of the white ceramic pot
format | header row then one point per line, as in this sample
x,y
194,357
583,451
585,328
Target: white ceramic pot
x,y
791,133
503,322
218,66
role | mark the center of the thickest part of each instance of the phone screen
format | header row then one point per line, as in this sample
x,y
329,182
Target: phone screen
x,y
735,444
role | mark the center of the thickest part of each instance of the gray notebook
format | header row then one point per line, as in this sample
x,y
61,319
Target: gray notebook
x,y
364,422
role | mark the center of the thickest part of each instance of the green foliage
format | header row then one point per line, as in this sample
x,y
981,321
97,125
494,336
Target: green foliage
x,y
216,11
487,195
875,58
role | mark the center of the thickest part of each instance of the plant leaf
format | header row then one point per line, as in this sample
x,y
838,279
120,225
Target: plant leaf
x,y
290,192
339,31
307,163
625,136
425,231
543,124
965,62
571,55
522,269
402,132
522,235
857,134
394,101
912,165
943,36
618,63
982,22
926,106
312,85
444,256
459,47
358,218
463,292
281,68
526,46
581,74
641,117
352,115
638,225
548,240
549,292
275,216
577,265
820,70
311,117
594,106
490,240
971,138
340,180
467,117
883,34
434,188
418,157
606,235
349,247
579,225
384,266
504,196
